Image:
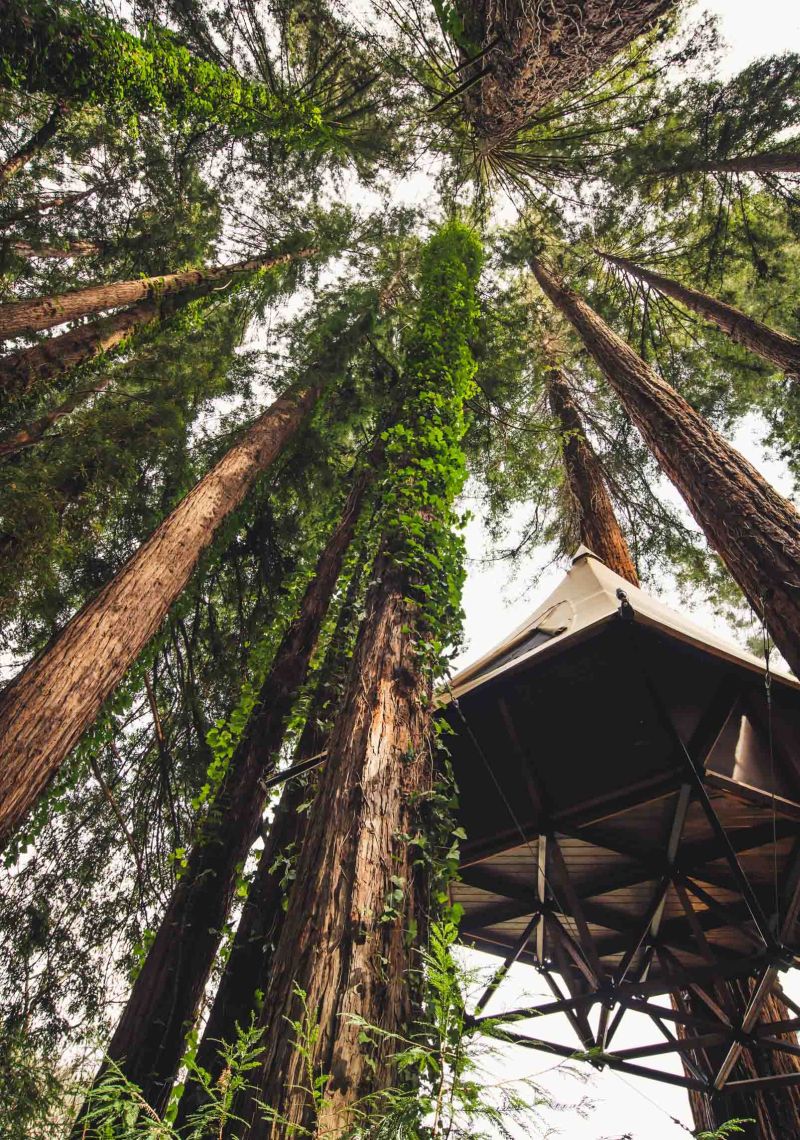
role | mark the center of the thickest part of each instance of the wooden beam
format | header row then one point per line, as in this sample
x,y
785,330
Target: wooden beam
x,y
559,877
501,972
752,1013
672,1045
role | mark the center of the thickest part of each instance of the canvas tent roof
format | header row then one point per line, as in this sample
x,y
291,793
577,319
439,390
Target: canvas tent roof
x,y
584,600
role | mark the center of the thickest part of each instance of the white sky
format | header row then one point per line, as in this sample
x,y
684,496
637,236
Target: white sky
x,y
495,604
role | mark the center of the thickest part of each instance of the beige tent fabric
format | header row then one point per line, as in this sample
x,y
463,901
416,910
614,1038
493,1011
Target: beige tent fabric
x,y
585,599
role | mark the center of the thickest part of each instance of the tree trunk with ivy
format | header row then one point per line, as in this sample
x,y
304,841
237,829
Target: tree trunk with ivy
x,y
527,56
149,1040
347,949
776,347
248,966
597,522
48,706
18,317
755,531
39,139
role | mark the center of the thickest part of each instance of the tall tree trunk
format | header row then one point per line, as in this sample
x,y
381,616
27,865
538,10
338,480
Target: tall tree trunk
x,y
44,312
49,705
56,252
53,356
755,531
33,145
533,55
776,1112
37,429
769,162
149,1039
777,347
42,205
247,968
347,948
597,522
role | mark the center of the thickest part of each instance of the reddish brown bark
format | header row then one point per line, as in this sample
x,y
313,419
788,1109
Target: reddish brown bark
x,y
770,162
755,531
48,706
597,522
55,202
33,145
56,252
37,429
775,1112
21,371
777,347
43,312
247,969
536,53
339,945
149,1039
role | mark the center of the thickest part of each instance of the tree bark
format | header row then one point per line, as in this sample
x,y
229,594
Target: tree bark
x,y
770,162
27,368
56,252
776,1112
44,711
774,346
37,429
755,531
248,967
538,53
149,1040
597,522
43,312
339,945
41,205
32,145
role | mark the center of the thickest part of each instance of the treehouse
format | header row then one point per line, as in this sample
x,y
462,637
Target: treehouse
x,y
630,788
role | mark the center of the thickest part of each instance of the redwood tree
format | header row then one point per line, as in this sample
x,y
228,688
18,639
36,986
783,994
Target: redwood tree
x,y
777,347
28,316
755,531
149,1039
597,522
47,707
347,940
24,153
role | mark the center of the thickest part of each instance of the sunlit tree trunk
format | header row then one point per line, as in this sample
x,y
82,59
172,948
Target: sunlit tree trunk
x,y
56,252
33,145
597,523
774,346
755,531
770,162
29,316
149,1039
53,356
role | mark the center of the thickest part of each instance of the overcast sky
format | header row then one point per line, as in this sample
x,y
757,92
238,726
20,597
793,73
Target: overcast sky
x,y
494,605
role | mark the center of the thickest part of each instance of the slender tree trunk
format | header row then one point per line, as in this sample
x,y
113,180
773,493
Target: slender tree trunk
x,y
53,356
56,252
776,1112
774,346
44,312
248,967
37,429
770,162
534,55
597,522
42,205
32,145
149,1040
49,705
755,531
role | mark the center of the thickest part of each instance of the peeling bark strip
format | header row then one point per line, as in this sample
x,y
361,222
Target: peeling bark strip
x,y
44,312
23,370
48,706
33,145
755,531
777,347
541,51
597,522
149,1040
